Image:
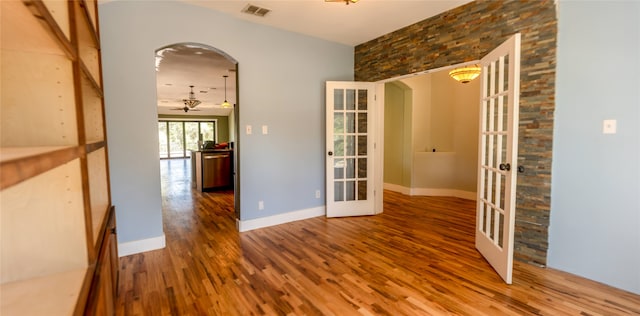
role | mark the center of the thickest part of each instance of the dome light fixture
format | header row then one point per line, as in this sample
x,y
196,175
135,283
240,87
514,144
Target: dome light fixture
x,y
466,73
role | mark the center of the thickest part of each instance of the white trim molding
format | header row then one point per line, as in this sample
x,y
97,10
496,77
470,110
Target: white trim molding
x,y
444,192
397,188
142,245
469,195
278,219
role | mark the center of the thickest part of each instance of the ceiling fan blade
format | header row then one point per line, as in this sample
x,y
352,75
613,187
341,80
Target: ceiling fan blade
x,y
345,1
184,109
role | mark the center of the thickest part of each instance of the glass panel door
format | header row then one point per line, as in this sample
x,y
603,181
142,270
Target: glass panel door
x,y
176,139
350,169
498,146
192,136
207,131
163,137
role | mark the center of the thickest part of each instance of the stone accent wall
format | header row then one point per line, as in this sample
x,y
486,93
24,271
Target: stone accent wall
x,y
468,33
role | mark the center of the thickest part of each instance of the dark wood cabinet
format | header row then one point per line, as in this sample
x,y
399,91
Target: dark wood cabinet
x,y
104,286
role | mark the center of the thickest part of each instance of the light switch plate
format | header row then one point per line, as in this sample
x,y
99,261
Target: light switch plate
x,y
248,129
609,126
265,129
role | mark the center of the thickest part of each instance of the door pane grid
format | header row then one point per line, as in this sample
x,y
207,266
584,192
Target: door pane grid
x,y
493,142
493,110
350,144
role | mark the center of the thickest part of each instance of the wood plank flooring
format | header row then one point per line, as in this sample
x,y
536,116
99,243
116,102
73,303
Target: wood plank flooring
x,y
417,258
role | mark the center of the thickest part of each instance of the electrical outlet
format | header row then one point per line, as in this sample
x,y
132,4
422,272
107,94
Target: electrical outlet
x,y
317,194
260,205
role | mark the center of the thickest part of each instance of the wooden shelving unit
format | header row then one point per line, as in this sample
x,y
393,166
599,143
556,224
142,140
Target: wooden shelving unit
x,y
57,235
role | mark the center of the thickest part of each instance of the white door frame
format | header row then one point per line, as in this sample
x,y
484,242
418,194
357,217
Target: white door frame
x,y
373,203
378,128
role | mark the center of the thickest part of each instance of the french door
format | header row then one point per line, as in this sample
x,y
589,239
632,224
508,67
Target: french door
x,y
350,148
498,148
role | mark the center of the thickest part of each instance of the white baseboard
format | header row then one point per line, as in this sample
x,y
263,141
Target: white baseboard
x,y
430,192
444,192
397,188
138,246
278,219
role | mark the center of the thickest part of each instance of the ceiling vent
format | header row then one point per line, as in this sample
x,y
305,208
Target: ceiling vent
x,y
255,10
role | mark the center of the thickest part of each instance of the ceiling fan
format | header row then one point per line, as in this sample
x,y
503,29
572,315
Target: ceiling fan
x,y
190,103
345,1
185,109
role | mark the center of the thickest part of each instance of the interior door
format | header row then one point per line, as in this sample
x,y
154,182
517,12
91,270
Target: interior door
x,y
498,148
350,148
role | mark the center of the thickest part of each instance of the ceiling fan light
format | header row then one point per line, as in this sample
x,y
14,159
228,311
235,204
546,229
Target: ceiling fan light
x,y
466,73
191,102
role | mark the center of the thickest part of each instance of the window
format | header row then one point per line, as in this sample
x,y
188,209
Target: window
x,y
178,138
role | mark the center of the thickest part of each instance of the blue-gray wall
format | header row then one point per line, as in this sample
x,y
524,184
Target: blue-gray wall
x,y
281,75
595,201
595,208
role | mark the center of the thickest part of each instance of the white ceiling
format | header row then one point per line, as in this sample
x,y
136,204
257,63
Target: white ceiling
x,y
351,24
183,65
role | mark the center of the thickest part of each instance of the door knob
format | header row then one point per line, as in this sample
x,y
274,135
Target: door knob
x,y
505,166
330,153
521,169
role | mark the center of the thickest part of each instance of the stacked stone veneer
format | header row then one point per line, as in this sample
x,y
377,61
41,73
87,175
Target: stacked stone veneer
x,y
468,33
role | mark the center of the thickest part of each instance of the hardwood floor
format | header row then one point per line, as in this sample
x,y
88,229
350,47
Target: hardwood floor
x,y
417,258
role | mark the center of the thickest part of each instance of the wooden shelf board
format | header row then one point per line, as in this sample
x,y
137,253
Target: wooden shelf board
x,y
99,193
55,294
59,12
94,145
20,163
15,153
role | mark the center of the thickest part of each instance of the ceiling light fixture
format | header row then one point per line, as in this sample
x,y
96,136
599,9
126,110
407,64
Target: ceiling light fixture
x,y
225,104
466,73
191,102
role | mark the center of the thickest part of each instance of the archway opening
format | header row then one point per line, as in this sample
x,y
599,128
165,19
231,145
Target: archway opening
x,y
197,132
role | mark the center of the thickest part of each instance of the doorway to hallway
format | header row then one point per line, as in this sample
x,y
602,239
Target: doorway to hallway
x,y
178,192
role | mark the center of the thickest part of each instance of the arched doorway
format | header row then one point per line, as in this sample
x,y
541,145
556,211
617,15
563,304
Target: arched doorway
x,y
197,93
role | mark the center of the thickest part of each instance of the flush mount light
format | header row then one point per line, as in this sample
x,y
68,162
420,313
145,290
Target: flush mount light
x,y
466,73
